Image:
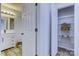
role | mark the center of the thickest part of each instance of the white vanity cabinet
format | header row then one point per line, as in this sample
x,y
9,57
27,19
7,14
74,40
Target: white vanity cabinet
x,y
8,41
8,35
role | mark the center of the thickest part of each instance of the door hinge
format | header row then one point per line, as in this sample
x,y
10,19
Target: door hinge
x,y
36,30
35,4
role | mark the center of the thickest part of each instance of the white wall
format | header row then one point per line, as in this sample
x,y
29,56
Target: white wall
x,y
63,5
43,40
54,30
18,26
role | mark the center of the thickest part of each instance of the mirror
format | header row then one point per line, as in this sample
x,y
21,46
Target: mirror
x,y
8,24
11,23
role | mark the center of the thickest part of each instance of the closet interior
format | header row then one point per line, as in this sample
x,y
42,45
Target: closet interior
x,y
66,29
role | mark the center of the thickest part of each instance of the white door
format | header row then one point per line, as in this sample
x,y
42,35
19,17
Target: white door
x,y
28,41
54,30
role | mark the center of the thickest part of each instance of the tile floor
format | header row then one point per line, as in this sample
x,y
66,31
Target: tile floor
x,y
16,51
64,52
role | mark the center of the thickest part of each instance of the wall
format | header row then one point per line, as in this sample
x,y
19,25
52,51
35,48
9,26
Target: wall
x,y
43,24
15,6
54,29
63,5
76,30
18,26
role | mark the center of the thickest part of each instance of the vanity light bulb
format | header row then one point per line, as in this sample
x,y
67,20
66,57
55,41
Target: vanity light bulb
x,y
11,13
7,12
3,11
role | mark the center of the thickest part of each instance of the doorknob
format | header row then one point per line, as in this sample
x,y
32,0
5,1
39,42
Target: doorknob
x,y
22,33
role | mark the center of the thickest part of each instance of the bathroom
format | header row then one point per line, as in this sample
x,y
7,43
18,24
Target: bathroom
x,y
12,29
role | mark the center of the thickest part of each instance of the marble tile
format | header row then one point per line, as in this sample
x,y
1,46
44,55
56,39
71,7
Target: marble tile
x,y
13,52
17,51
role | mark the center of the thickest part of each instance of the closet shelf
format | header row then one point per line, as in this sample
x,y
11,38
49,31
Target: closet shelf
x,y
67,16
66,45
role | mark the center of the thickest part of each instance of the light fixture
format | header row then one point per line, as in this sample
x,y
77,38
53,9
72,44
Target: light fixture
x,y
7,12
